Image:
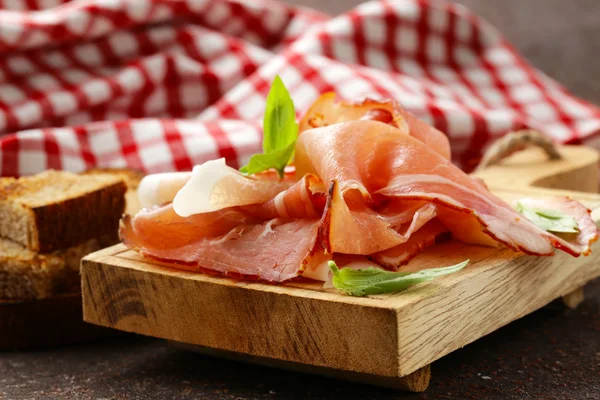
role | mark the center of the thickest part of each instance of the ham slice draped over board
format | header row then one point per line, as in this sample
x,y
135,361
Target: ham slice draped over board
x,y
371,182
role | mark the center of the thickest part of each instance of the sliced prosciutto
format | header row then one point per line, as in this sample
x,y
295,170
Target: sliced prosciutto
x,y
275,240
249,250
570,242
214,186
353,224
379,162
371,185
327,111
400,255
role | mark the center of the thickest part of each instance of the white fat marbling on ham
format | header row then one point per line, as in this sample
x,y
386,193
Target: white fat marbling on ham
x,y
214,186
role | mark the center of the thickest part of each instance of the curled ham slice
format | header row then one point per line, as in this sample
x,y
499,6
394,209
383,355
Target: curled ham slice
x,y
327,111
214,186
570,242
352,227
400,255
401,167
305,199
247,250
275,240
370,184
161,227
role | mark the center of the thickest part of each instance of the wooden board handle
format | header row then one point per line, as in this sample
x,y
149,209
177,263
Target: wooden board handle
x,y
577,170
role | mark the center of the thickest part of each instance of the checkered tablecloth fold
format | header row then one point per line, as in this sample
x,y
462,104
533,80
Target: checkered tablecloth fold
x,y
162,85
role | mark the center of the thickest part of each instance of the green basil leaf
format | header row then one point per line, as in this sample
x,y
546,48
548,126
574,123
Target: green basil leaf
x,y
276,159
549,220
280,132
279,123
372,280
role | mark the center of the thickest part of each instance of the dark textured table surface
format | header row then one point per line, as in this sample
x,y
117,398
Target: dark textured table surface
x,y
553,353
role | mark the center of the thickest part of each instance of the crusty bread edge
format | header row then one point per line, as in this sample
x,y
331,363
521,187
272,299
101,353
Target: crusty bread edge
x,y
24,278
73,221
28,279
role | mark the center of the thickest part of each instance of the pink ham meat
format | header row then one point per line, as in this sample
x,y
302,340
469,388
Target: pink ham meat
x,y
372,184
404,252
570,242
377,162
326,110
305,199
247,250
273,241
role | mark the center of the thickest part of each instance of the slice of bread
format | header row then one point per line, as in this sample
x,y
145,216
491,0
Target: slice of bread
x,y
27,275
132,179
56,209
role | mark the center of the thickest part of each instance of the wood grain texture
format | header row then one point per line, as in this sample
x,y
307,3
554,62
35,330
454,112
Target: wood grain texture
x,y
304,325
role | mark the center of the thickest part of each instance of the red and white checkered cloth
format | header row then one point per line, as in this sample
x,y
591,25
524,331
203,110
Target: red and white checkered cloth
x,y
162,85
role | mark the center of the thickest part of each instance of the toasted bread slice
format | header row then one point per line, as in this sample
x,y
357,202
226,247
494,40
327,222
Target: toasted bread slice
x,y
57,210
27,275
132,179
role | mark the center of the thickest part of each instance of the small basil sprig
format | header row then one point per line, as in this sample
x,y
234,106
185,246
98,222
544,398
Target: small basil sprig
x,y
362,282
280,132
549,220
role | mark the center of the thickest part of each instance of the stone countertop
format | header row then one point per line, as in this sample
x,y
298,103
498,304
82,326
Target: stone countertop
x,y
553,353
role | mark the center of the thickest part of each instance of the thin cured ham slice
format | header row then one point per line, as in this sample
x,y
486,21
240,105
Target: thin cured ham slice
x,y
352,227
161,227
400,255
573,243
273,241
372,185
305,199
327,111
376,160
214,186
275,250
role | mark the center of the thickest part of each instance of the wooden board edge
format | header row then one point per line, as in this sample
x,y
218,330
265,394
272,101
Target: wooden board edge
x,y
134,307
587,269
117,256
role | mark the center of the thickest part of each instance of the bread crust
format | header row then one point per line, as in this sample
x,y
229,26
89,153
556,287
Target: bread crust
x,y
56,210
27,275
73,221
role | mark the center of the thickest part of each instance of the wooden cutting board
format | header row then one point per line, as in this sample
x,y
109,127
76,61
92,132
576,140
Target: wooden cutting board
x,y
385,339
